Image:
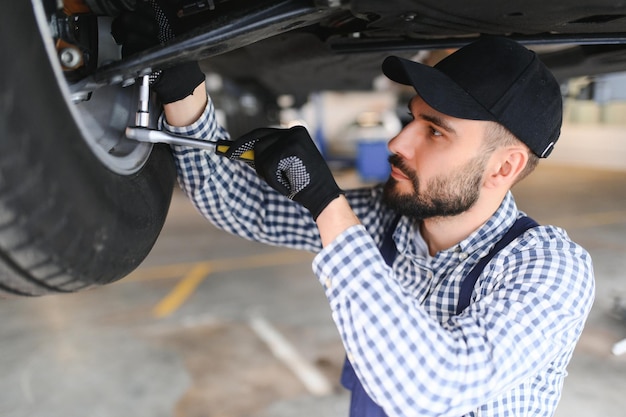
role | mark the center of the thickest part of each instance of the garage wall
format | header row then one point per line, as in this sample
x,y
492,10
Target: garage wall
x,y
593,134
591,145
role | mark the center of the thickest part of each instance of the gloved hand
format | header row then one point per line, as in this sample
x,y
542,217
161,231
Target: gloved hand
x,y
289,161
152,23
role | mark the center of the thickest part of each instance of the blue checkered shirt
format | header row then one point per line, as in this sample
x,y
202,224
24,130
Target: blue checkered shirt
x,y
505,355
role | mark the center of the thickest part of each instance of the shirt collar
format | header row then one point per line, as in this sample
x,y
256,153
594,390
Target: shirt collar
x,y
493,229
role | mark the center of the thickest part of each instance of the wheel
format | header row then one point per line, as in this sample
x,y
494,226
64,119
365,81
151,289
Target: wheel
x,y
80,205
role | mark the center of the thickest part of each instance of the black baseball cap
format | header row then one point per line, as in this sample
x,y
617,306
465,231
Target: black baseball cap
x,y
494,79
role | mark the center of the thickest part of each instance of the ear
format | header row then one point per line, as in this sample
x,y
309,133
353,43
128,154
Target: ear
x,y
505,166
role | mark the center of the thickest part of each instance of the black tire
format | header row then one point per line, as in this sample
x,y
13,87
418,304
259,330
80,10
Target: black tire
x,y
67,222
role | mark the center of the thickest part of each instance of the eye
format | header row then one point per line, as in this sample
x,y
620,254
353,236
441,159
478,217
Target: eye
x,y
435,132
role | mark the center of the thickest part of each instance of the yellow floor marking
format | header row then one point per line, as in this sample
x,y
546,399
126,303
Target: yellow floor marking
x,y
221,265
161,272
193,273
182,291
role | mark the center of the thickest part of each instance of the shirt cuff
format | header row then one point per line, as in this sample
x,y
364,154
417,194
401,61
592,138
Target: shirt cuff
x,y
351,260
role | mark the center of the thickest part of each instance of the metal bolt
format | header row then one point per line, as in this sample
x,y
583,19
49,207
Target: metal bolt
x,y
409,17
116,79
334,3
330,3
80,97
70,58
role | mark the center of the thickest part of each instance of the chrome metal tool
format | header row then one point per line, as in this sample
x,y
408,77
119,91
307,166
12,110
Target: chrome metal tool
x,y
142,133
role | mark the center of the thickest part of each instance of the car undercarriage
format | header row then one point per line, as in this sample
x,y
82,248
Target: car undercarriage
x,y
109,195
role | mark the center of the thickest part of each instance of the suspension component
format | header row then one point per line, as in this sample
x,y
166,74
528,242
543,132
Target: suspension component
x,y
108,7
76,39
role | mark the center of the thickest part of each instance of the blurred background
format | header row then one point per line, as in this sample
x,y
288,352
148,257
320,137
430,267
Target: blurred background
x,y
211,325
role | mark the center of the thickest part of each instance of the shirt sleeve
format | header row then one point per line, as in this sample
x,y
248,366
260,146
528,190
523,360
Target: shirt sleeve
x,y
233,197
412,365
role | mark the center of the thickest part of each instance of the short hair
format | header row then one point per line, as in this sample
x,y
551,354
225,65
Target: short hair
x,y
497,136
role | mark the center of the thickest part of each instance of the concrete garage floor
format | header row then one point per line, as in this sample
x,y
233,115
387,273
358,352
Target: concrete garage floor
x,y
215,326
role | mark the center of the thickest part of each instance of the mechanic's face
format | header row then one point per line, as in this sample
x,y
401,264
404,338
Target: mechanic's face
x,y
437,164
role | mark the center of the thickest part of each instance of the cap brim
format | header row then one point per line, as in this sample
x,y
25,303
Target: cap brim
x,y
435,88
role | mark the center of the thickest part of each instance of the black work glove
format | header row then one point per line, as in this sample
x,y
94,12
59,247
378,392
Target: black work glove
x,y
152,23
289,161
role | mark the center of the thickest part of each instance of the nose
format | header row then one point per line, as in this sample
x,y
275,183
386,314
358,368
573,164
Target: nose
x,y
402,144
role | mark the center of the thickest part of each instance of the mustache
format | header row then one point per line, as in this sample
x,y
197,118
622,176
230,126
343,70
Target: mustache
x,y
397,162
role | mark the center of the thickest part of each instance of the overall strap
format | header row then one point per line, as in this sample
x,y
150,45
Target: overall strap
x,y
361,405
467,286
388,247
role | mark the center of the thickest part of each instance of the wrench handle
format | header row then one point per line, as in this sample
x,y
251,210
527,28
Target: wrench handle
x,y
142,134
224,145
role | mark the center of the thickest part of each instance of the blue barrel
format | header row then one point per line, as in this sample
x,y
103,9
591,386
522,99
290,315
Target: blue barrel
x,y
372,160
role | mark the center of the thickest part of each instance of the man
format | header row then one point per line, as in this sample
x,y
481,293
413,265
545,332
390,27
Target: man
x,y
481,119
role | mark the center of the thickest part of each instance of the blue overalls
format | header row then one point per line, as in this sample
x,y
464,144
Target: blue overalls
x,y
361,405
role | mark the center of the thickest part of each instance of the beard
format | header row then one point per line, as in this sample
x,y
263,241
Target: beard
x,y
446,195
